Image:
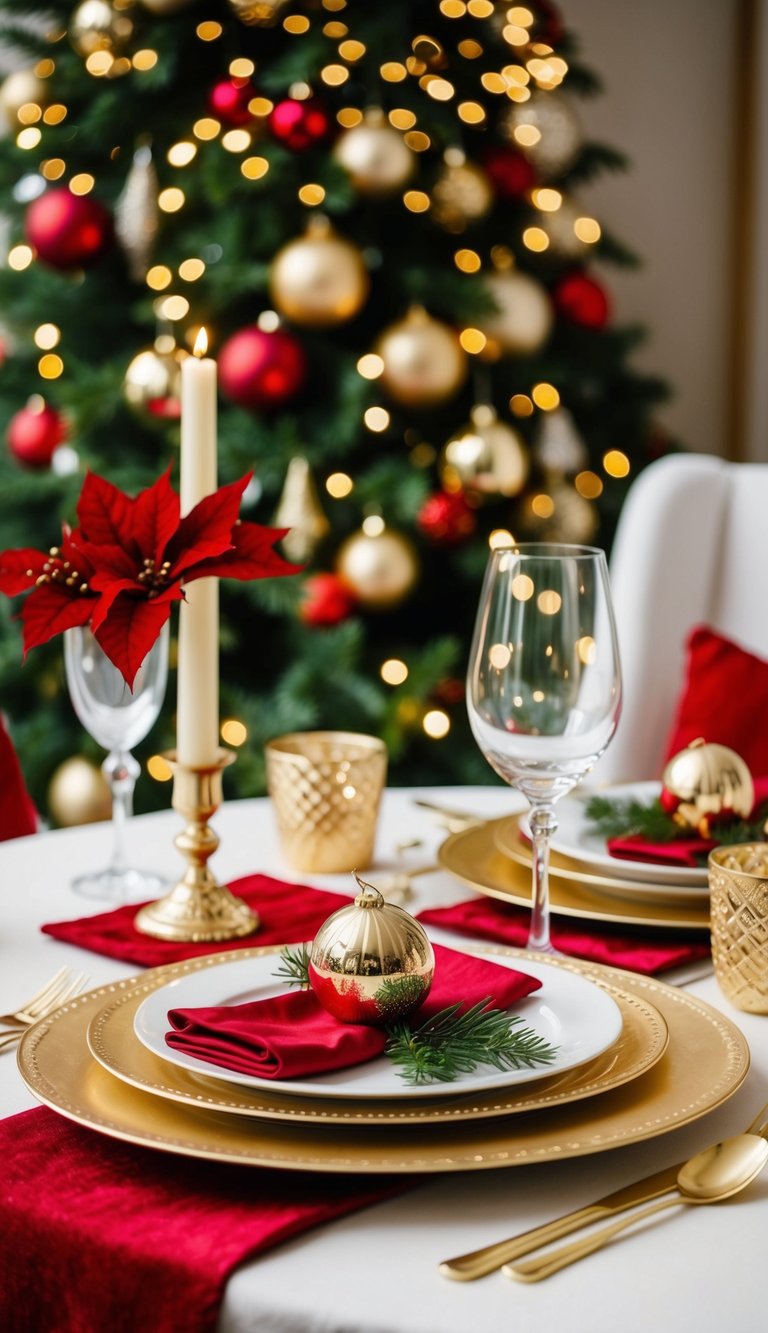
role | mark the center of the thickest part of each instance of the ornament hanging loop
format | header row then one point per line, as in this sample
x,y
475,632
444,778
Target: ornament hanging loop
x,y
369,895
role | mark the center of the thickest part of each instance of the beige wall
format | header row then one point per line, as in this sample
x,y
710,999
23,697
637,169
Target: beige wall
x,y
669,73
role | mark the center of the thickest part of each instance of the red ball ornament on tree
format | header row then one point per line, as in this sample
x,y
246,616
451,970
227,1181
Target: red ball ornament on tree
x,y
510,172
299,125
68,230
581,300
35,433
327,600
229,101
262,369
447,518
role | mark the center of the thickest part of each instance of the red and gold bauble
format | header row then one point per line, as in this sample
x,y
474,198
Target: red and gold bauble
x,y
327,600
152,385
487,457
424,362
35,433
299,125
229,101
379,564
371,962
262,369
523,319
447,518
581,300
705,783
509,171
319,280
375,155
68,230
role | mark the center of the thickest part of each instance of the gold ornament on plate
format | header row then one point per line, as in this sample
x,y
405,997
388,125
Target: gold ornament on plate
x,y
556,513
424,362
708,780
462,193
79,794
559,448
380,567
523,318
152,385
371,962
137,215
22,88
96,26
258,13
375,155
487,456
300,510
319,280
547,129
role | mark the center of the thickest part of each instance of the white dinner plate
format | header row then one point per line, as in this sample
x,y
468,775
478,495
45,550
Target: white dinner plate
x,y
577,838
568,1011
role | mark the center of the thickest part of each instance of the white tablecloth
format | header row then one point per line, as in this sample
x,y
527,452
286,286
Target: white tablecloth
x,y
697,1269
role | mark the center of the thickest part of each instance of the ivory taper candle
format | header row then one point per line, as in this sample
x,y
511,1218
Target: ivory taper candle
x,y
197,701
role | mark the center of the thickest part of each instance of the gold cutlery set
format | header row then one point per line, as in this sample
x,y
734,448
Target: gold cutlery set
x,y
62,987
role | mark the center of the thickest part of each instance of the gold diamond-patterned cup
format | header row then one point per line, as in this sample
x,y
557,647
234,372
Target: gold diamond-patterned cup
x,y
738,888
325,788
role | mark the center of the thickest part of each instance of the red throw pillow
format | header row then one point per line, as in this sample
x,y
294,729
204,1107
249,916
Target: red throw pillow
x,y
725,699
17,813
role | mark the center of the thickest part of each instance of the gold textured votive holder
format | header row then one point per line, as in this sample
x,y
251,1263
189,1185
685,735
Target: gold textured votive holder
x,y
198,908
738,889
326,788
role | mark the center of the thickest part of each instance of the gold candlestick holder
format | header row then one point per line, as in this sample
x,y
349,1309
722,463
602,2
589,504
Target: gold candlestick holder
x,y
198,908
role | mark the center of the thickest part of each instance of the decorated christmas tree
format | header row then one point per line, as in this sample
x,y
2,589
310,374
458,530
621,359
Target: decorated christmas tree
x,y
378,212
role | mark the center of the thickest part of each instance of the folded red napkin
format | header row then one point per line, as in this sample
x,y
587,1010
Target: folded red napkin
x,y
289,913
17,812
490,920
101,1235
679,851
292,1035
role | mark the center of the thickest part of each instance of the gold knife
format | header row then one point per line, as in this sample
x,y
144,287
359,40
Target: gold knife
x,y
468,1267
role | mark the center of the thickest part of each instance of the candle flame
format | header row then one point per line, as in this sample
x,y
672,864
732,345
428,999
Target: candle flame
x,y
201,343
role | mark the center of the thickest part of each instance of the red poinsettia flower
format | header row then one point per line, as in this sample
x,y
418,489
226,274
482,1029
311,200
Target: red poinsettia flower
x,y
123,567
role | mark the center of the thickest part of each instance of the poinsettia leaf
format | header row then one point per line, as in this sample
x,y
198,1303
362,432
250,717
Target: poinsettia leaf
x,y
251,557
108,593
50,610
130,629
109,562
206,530
19,569
155,517
105,513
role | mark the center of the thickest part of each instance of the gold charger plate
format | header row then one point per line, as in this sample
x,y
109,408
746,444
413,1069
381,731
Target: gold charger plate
x,y
705,1063
473,855
111,1039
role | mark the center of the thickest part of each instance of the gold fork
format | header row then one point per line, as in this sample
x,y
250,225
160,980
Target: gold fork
x,y
64,986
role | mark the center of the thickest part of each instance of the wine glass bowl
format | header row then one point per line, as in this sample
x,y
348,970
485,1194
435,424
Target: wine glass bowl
x,y
544,682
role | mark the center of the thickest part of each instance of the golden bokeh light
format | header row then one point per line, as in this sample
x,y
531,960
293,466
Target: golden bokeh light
x,y
206,128
159,277
472,113
171,200
416,201
616,463
241,68
470,49
55,113
440,89
376,418
253,168
234,732
174,307
334,75
499,656
339,485
29,113
587,649
500,537
312,195
436,724
589,485
402,119
159,768
370,366
543,505
547,199
20,257
545,396
534,238
468,261
236,141
208,31
47,336
349,116
351,51
549,602
393,671
473,340
191,269
82,183
588,230
50,366
373,525
296,24
144,60
182,153
522,588
417,140
54,168
520,405
28,138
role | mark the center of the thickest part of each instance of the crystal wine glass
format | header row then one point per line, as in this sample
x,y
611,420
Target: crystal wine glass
x,y
118,718
544,683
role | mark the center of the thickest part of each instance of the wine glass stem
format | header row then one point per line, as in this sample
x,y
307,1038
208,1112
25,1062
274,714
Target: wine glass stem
x,y
121,771
543,824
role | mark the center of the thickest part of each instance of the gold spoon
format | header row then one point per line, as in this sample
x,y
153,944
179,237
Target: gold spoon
x,y
716,1173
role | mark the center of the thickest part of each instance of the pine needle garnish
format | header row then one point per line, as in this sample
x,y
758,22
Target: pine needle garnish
x,y
454,1043
294,966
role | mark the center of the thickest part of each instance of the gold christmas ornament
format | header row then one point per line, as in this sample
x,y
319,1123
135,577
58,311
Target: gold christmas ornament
x,y
300,510
561,229
547,129
152,385
375,155
559,448
487,456
381,567
163,7
556,513
524,317
22,88
424,362
79,793
319,280
708,780
96,26
461,194
137,215
258,13
371,962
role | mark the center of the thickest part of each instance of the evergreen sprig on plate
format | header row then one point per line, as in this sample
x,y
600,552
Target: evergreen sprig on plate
x,y
628,818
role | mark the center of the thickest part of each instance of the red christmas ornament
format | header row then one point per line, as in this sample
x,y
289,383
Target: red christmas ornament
x,y
581,300
668,801
549,26
447,518
229,100
35,433
68,230
327,600
299,125
260,369
510,172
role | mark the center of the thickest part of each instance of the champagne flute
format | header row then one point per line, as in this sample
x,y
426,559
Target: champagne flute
x,y
544,683
118,718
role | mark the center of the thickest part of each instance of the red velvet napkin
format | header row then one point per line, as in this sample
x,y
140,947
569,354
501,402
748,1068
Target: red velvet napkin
x,y
18,816
506,924
692,851
101,1235
289,913
292,1035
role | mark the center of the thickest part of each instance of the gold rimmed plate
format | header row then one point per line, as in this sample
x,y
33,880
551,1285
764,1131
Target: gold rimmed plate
x,y
474,856
112,1041
705,1063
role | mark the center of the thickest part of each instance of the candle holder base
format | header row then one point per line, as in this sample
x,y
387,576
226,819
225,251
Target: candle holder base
x,y
198,909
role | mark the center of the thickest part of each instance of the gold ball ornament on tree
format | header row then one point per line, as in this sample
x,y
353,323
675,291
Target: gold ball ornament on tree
x,y
79,793
152,385
319,280
379,564
424,362
488,456
567,229
258,13
96,26
22,88
461,194
371,962
556,513
547,129
523,318
704,782
375,155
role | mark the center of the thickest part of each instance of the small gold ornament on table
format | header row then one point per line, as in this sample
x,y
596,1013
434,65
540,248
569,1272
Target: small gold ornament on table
x,y
198,908
703,782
